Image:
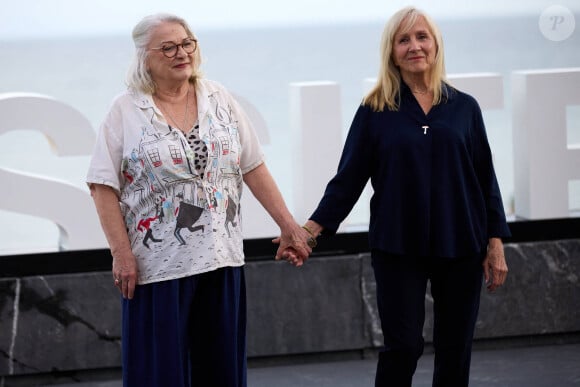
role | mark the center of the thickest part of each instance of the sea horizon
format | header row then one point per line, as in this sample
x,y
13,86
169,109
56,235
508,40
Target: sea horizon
x,y
259,64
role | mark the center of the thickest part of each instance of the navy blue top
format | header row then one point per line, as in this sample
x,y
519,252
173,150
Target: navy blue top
x,y
435,191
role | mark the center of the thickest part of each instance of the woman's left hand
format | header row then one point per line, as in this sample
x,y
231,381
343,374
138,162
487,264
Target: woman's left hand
x,y
293,243
494,265
293,246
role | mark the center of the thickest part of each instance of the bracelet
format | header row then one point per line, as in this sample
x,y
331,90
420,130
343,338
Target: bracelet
x,y
311,242
309,231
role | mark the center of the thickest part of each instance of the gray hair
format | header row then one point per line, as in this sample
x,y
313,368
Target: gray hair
x,y
138,77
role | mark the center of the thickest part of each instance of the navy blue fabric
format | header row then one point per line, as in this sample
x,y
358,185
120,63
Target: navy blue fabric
x,y
401,287
188,332
435,192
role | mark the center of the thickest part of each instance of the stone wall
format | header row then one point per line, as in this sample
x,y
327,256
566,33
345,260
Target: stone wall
x,y
71,322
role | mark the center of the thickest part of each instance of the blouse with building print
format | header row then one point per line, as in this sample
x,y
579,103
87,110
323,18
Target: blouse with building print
x,y
180,221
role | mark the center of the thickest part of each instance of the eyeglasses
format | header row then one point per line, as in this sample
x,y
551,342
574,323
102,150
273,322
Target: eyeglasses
x,y
170,50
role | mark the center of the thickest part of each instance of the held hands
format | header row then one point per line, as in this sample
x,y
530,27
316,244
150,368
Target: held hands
x,y
292,246
297,248
494,265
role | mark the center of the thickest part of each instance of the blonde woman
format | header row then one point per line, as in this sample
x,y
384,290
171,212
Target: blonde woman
x,y
436,212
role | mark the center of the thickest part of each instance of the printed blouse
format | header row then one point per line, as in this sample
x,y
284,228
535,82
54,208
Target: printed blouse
x,y
181,220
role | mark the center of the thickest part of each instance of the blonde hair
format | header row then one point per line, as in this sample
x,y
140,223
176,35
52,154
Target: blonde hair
x,y
386,91
138,77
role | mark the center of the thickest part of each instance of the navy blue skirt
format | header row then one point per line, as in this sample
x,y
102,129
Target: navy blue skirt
x,y
187,332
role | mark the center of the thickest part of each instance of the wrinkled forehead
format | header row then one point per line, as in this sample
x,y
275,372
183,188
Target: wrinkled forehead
x,y
168,31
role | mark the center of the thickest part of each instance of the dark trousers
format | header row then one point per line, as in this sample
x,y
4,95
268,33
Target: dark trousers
x,y
188,332
401,288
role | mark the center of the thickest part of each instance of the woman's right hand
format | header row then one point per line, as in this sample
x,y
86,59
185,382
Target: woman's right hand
x,y
289,253
113,223
125,273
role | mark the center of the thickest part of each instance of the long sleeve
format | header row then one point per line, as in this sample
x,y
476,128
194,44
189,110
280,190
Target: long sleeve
x,y
483,164
344,189
434,191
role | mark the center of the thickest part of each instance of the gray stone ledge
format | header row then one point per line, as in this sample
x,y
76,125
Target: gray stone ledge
x,y
71,322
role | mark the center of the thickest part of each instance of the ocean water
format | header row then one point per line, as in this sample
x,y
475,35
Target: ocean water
x,y
258,64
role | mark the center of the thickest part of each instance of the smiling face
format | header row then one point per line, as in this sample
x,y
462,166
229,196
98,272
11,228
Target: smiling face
x,y
414,49
164,70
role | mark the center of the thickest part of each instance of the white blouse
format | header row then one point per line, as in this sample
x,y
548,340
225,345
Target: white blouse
x,y
179,223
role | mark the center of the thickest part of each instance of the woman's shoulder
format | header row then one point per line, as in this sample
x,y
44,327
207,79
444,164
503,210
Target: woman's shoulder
x,y
207,88
127,101
131,97
454,94
120,98
210,86
365,108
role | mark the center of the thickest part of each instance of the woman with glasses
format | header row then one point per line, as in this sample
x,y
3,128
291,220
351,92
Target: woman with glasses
x,y
166,177
436,213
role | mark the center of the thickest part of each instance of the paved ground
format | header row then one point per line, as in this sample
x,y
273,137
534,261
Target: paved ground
x,y
535,366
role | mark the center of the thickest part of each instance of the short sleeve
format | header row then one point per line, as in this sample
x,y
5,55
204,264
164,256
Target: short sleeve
x,y
105,164
252,154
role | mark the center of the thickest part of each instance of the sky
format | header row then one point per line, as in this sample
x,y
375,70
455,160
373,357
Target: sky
x,y
60,18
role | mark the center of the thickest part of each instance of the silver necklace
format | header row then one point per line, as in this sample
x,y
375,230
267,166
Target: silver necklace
x,y
183,127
